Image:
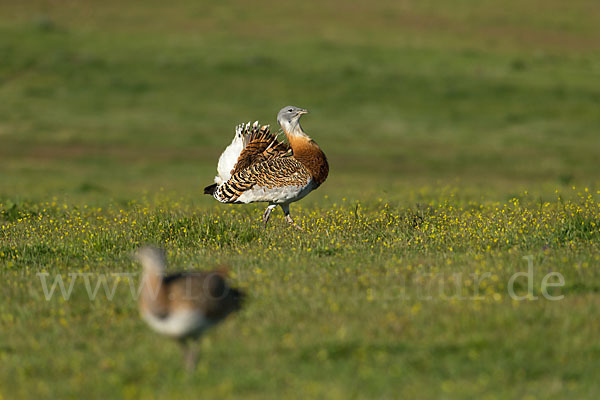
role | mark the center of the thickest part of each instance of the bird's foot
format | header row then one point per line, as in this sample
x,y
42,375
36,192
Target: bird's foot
x,y
267,214
190,355
191,359
292,223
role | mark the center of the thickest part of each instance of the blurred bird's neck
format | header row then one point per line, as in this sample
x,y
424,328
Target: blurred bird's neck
x,y
153,296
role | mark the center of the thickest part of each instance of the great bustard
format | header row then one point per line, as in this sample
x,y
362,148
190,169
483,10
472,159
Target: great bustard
x,y
183,305
256,167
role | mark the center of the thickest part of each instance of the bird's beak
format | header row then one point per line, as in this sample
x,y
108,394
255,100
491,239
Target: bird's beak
x,y
302,111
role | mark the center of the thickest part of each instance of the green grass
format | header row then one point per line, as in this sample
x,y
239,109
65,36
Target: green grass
x,y
461,137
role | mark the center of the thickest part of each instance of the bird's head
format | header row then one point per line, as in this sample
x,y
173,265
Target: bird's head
x,y
288,118
152,259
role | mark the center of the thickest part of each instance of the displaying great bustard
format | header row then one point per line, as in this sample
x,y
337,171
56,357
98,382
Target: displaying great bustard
x,y
256,167
183,305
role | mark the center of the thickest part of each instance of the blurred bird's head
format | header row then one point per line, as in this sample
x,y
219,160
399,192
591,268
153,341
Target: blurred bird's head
x,y
288,118
152,259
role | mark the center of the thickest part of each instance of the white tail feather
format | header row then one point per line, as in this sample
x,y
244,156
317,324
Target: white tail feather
x,y
230,156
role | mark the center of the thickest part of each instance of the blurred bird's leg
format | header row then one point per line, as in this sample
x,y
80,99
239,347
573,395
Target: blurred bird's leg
x,y
190,353
267,213
288,217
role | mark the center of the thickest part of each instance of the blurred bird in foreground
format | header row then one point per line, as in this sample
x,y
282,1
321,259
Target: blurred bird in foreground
x,y
256,167
183,305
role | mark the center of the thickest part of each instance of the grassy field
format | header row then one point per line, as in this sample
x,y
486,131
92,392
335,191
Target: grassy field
x,y
462,137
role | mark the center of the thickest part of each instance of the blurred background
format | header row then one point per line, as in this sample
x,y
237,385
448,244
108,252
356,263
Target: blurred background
x,y
433,114
107,99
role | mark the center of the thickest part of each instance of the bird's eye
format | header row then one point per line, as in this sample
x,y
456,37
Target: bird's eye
x,y
290,110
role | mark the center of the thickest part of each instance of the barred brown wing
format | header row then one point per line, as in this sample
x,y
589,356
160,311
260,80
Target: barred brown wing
x,y
276,177
260,146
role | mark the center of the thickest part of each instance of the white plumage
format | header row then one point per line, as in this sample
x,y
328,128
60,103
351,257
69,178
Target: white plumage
x,y
178,323
229,157
276,195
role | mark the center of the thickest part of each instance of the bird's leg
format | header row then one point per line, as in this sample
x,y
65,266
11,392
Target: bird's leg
x,y
267,213
190,354
288,217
